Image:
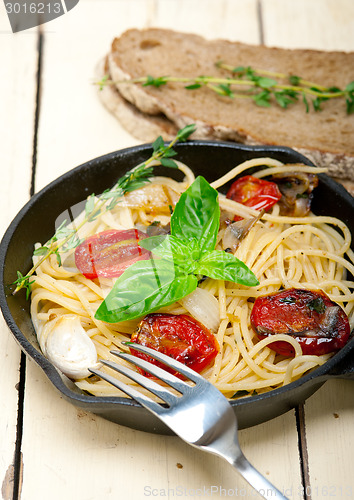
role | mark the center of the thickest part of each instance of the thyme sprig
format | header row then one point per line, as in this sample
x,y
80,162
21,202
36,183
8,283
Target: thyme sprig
x,y
261,86
66,238
286,93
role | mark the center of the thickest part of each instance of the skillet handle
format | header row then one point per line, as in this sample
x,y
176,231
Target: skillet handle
x,y
345,366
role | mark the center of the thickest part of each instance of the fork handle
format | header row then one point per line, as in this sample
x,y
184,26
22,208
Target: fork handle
x,y
255,478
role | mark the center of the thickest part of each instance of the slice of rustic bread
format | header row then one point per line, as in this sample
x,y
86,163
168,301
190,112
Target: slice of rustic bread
x,y
325,136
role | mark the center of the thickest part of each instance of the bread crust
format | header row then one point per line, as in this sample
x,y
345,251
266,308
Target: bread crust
x,y
140,125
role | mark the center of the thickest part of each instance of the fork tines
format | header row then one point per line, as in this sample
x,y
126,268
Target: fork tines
x,y
149,384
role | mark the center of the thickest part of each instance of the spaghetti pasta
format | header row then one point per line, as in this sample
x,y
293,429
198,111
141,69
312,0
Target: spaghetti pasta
x,y
311,252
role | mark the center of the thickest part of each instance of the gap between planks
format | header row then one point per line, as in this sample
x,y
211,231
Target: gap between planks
x,y
18,460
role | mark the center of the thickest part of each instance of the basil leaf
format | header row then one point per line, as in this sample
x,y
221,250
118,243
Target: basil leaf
x,y
197,214
221,265
145,287
182,253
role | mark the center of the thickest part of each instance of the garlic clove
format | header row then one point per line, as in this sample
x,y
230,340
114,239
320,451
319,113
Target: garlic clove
x,y
69,348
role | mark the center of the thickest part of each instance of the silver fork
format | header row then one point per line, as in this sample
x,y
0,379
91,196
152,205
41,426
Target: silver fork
x,y
201,416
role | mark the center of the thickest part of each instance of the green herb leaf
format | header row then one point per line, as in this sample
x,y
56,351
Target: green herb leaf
x,y
193,86
350,87
305,101
167,162
284,98
143,288
185,132
62,231
103,82
317,103
158,143
294,80
350,103
23,282
262,98
225,266
73,242
266,83
224,89
90,204
197,215
239,69
155,82
41,251
288,300
317,305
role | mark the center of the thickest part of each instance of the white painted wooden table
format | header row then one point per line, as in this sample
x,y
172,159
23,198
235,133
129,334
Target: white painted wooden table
x,y
51,121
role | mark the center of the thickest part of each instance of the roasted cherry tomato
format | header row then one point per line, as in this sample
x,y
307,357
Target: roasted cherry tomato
x,y
179,336
110,253
254,193
318,324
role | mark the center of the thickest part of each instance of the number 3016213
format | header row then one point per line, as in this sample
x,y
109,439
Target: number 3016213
x,y
33,8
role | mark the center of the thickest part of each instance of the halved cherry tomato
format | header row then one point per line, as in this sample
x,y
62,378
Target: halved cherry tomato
x,y
255,193
109,253
179,336
318,324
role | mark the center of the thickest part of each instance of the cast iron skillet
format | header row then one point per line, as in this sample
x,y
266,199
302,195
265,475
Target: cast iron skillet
x,y
36,222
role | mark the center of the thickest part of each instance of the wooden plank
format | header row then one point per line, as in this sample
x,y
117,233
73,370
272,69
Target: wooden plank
x,y
18,93
330,440
315,24
328,418
210,18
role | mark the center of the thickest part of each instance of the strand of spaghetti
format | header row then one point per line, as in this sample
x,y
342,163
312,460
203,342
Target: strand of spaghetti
x,y
280,265
86,304
41,294
91,285
245,166
51,267
290,170
284,235
231,356
312,251
62,286
246,356
222,301
219,357
188,172
311,360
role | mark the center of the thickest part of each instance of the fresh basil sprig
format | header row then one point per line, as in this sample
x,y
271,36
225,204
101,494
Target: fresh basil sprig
x,y
180,259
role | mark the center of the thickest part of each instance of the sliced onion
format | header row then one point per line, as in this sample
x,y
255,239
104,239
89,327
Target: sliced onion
x,y
150,197
204,307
